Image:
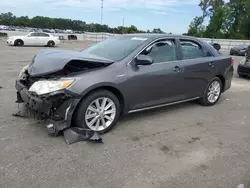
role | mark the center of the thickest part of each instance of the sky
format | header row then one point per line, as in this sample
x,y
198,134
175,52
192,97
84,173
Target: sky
x,y
169,15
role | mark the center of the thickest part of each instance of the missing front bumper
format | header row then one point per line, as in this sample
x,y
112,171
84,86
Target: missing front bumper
x,y
56,109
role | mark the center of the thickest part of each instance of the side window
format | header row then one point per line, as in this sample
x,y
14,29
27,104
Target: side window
x,y
34,34
161,51
191,50
43,35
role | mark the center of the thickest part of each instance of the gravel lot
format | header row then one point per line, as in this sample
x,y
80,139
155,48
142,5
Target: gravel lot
x,y
180,146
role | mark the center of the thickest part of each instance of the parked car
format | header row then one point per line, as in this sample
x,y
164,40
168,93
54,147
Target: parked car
x,y
244,66
120,75
239,50
34,39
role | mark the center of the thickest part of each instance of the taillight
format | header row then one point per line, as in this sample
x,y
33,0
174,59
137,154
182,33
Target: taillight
x,y
232,61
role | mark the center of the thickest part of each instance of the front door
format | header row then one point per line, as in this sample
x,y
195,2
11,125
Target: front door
x,y
158,83
31,39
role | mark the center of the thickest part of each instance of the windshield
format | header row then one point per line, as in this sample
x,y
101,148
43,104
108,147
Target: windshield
x,y
115,48
243,46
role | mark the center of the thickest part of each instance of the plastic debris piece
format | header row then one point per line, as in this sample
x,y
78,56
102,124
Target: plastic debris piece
x,y
76,134
21,111
241,186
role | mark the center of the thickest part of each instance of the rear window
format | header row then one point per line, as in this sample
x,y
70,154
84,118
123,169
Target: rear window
x,y
191,49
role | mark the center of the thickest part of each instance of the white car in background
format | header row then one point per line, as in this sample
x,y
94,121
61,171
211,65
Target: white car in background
x,y
34,39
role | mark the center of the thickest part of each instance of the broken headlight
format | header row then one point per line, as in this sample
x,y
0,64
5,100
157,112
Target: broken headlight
x,y
48,86
23,71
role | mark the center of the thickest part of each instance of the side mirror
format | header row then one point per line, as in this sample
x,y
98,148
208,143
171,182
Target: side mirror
x,y
144,60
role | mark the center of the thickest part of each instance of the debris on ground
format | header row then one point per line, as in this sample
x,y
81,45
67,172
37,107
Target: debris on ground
x,y
22,111
76,134
193,140
71,134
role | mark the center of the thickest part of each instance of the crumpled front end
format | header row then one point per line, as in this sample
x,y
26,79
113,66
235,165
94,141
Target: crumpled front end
x,y
43,85
56,108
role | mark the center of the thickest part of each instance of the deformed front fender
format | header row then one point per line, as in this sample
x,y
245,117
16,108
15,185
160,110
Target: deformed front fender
x,y
69,112
99,85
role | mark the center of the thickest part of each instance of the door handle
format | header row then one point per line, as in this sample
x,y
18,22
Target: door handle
x,y
177,69
211,64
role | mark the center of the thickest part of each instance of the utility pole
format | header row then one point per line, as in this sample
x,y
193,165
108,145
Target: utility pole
x,y
122,25
101,11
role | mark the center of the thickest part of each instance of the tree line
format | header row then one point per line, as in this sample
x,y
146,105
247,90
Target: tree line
x,y
9,19
227,19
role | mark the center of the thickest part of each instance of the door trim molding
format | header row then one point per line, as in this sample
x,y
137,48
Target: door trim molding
x,y
162,105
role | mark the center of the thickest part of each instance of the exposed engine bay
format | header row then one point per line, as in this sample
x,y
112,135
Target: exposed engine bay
x,y
72,68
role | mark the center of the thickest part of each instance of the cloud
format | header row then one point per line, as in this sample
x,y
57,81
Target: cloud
x,y
109,5
158,12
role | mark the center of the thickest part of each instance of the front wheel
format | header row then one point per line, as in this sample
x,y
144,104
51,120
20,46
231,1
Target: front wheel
x,y
99,111
212,92
18,42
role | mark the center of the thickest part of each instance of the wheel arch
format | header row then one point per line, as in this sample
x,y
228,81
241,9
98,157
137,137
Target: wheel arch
x,y
223,81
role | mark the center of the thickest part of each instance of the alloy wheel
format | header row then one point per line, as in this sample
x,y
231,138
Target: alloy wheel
x,y
214,92
100,114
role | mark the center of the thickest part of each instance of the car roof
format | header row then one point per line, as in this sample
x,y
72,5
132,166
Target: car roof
x,y
156,35
39,32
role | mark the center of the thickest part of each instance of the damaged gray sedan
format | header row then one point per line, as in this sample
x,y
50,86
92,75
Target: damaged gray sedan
x,y
92,88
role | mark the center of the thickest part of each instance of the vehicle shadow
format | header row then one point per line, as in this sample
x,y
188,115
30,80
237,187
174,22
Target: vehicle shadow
x,y
28,46
243,78
154,113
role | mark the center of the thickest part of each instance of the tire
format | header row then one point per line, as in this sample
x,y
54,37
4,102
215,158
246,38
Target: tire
x,y
18,42
81,120
51,44
205,101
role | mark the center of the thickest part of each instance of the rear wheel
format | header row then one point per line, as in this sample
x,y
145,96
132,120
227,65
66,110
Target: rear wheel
x,y
212,93
99,111
51,44
18,42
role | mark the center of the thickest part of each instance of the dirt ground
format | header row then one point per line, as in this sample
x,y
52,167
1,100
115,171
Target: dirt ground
x,y
180,146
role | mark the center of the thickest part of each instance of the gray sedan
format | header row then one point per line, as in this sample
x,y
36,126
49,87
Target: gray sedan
x,y
120,75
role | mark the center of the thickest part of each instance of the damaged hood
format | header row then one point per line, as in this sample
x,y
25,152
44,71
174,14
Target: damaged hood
x,y
50,61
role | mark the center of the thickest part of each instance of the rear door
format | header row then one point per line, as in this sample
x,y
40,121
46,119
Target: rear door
x,y
198,65
43,38
160,82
